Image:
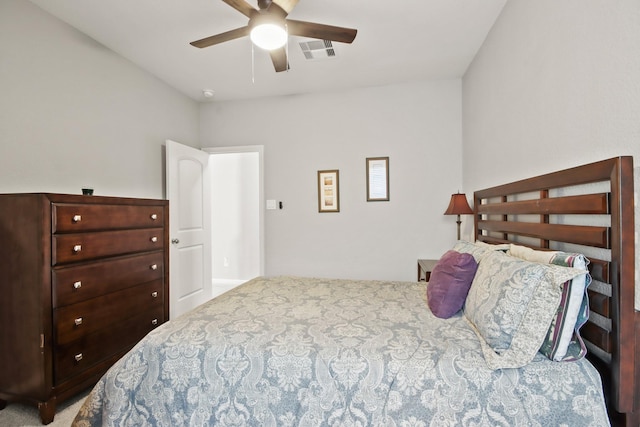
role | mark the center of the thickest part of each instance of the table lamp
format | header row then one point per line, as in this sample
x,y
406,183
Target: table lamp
x,y
458,206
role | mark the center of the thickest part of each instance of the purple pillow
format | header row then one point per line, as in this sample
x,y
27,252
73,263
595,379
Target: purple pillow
x,y
450,282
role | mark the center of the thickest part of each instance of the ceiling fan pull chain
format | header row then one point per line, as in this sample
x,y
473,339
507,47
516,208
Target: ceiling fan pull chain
x,y
253,71
286,29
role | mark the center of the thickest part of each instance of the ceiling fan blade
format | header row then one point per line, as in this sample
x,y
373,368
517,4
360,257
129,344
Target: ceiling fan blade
x,y
222,37
242,6
279,58
286,5
321,31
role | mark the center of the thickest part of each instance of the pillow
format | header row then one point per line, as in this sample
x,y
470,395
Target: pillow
x,y
563,342
450,282
493,246
511,304
477,249
529,254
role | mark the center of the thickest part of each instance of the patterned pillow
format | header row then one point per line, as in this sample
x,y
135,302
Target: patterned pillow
x,y
450,282
511,304
563,342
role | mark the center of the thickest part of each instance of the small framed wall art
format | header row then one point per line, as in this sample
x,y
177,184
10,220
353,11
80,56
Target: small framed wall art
x,y
377,179
328,191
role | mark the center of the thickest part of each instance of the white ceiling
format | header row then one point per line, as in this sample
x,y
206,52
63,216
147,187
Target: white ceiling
x,y
396,42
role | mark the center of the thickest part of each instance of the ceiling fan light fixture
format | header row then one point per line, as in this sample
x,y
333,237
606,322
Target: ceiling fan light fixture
x,y
268,36
269,29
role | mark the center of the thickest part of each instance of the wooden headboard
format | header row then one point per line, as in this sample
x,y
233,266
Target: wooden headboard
x,y
587,209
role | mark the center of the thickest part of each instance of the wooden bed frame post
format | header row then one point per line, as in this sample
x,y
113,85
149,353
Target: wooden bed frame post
x,y
623,266
625,365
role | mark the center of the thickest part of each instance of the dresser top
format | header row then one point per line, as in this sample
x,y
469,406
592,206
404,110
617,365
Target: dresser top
x,y
79,198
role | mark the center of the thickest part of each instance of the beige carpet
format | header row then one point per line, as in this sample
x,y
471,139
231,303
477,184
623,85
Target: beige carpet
x,y
19,415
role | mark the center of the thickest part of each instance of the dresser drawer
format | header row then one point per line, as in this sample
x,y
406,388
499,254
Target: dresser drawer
x,y
87,317
68,248
73,358
90,280
72,218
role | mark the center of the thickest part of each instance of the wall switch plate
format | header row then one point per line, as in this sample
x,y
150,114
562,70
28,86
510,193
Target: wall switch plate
x,y
271,204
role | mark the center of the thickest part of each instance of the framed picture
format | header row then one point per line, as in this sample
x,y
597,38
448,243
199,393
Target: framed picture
x,y
377,179
328,191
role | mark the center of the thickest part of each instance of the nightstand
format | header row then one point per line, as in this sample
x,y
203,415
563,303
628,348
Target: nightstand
x,y
425,266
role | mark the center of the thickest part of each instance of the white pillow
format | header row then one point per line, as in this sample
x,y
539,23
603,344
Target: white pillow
x,y
478,249
529,254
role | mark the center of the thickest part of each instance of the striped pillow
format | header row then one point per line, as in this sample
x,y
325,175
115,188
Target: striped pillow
x,y
563,342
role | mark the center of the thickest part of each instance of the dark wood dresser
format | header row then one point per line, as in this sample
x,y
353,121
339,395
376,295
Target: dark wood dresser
x,y
82,280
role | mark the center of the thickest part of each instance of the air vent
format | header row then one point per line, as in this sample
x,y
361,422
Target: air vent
x,y
318,49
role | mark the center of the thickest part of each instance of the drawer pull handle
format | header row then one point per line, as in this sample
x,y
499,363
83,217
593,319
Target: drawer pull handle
x,y
78,357
78,321
154,322
77,248
154,239
154,216
154,266
154,294
77,285
77,218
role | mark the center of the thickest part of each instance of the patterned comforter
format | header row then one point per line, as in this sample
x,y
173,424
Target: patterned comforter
x,y
291,351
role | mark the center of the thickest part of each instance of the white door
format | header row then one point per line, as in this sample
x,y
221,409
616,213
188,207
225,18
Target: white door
x,y
189,193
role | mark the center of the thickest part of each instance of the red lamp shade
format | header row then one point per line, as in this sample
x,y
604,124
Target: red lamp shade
x,y
458,206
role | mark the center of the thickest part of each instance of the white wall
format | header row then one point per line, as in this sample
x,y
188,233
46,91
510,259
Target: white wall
x,y
417,125
556,84
74,114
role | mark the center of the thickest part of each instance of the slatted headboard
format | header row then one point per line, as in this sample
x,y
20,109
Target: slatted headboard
x,y
587,209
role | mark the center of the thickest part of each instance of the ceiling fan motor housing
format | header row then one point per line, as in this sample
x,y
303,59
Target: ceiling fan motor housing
x,y
264,4
265,17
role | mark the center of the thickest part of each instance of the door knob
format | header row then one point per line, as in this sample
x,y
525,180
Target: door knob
x,y
175,241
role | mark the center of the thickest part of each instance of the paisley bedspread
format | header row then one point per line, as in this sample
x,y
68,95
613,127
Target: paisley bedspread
x,y
290,351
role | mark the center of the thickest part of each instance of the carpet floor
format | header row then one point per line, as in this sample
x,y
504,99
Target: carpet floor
x,y
19,415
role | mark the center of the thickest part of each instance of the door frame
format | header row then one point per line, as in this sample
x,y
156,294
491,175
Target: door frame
x,y
261,202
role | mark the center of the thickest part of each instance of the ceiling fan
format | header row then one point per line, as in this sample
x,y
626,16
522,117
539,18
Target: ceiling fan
x,y
270,18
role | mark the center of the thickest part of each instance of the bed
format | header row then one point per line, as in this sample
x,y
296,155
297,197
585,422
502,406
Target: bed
x,y
294,351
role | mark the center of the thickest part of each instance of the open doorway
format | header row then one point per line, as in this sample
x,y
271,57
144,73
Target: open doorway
x,y
237,248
